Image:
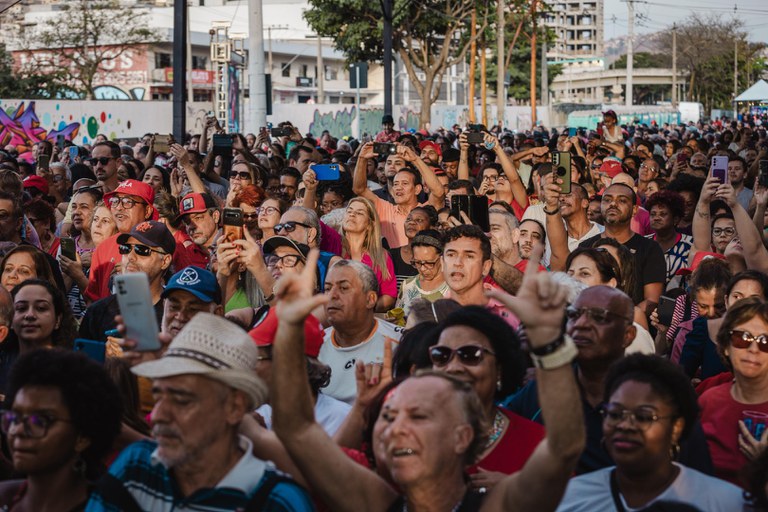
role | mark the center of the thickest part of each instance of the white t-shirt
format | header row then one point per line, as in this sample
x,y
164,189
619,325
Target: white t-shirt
x,y
342,360
329,413
592,493
643,342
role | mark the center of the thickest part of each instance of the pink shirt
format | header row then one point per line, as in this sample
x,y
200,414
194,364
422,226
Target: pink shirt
x,y
392,222
388,287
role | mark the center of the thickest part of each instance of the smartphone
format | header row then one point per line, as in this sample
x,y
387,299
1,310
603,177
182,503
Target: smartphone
x,y
233,224
476,208
719,168
476,135
43,161
60,141
74,152
571,132
665,310
682,158
384,148
68,248
327,172
162,143
561,166
222,144
762,176
280,132
137,310
96,350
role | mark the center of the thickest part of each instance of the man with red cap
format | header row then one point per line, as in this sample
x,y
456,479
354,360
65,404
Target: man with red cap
x,y
130,204
431,153
201,216
36,186
329,412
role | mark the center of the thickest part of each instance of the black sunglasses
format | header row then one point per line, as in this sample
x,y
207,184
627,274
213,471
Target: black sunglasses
x,y
139,249
104,160
470,355
290,226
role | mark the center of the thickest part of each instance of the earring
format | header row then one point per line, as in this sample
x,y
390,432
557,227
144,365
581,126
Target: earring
x,y
498,383
674,451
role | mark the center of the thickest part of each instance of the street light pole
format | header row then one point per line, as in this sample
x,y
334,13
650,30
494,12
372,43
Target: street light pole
x,y
179,73
630,50
257,103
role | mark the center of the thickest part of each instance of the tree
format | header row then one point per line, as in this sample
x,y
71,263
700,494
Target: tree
x,y
705,49
647,94
425,35
85,37
27,84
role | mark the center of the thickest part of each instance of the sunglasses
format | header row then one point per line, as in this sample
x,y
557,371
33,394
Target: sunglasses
x,y
139,249
598,315
290,226
241,175
104,160
250,216
743,339
470,355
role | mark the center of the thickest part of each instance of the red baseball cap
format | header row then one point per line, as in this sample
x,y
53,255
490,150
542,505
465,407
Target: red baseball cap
x,y
697,259
37,182
135,188
196,202
264,333
611,167
434,146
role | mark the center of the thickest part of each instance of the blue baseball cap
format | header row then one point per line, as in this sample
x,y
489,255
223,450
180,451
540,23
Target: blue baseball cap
x,y
199,282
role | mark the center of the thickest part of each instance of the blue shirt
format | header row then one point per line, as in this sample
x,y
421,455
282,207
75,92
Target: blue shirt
x,y
153,486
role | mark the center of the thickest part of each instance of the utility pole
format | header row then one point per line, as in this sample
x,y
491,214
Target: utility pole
x,y
533,65
386,10
472,64
179,73
320,72
674,65
190,91
483,86
630,50
257,87
544,71
501,69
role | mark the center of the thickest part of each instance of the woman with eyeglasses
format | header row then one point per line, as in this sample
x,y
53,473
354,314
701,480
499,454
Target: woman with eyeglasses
x,y
649,408
734,414
713,235
269,213
429,284
62,418
479,348
361,241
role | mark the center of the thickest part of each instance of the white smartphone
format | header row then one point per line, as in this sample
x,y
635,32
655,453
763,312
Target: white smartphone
x,y
135,303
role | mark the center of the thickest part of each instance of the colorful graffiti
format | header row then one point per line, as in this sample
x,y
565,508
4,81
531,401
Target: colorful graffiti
x,y
340,123
21,129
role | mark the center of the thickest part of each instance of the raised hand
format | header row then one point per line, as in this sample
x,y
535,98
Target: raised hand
x,y
295,293
373,377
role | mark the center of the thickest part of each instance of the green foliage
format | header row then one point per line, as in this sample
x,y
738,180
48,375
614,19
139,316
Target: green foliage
x,y
27,85
85,36
644,60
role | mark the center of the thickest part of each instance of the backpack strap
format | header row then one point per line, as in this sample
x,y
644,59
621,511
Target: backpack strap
x,y
116,494
259,500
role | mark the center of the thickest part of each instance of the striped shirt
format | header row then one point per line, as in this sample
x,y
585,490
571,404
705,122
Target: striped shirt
x,y
153,487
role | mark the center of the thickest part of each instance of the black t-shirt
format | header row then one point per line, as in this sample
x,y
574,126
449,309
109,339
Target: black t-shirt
x,y
650,265
403,270
100,317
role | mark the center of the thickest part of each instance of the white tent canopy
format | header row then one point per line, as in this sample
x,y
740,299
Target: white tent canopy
x,y
758,92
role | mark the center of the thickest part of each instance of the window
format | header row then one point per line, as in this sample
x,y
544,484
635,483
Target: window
x,y
304,69
199,62
163,60
286,70
331,73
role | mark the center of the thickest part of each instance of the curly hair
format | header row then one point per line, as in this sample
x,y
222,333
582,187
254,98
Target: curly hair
x,y
669,198
667,380
87,391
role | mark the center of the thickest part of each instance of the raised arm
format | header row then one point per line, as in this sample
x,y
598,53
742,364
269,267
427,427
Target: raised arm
x,y
360,178
540,305
510,171
702,225
428,176
463,172
343,484
182,157
556,233
755,253
310,189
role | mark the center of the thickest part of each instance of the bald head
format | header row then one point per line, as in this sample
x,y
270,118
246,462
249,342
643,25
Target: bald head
x,y
614,299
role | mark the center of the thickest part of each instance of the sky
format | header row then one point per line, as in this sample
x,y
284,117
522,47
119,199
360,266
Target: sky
x,y
654,15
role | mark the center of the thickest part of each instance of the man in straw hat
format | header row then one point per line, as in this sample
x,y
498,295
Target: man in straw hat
x,y
203,386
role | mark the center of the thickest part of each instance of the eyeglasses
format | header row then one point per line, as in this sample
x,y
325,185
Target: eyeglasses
x,y
267,210
429,265
743,339
287,261
723,231
642,418
126,202
241,175
139,249
104,160
35,425
250,216
470,355
598,315
290,226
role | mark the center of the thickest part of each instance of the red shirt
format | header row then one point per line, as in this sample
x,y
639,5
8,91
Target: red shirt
x,y
514,448
102,264
188,253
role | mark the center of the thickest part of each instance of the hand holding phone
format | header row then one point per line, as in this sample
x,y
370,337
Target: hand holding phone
x,y
233,224
135,302
719,168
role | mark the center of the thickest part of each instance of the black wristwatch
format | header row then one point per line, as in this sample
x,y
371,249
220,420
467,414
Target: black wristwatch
x,y
549,347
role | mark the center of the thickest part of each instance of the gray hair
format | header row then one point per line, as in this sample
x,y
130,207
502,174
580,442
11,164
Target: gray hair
x,y
59,165
311,219
509,219
364,272
574,287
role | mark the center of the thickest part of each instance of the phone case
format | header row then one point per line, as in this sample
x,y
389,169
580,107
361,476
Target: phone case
x,y
94,349
327,172
561,164
68,248
233,224
136,307
666,309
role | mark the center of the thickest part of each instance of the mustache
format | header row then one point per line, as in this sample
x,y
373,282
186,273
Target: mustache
x,y
164,430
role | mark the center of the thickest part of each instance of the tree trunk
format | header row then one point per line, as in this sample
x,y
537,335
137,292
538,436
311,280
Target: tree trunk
x,y
472,64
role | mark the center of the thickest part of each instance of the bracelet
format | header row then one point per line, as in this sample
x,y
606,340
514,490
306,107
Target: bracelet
x,y
555,212
563,354
549,347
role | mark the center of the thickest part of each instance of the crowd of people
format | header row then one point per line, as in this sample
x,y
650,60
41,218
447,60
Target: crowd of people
x,y
453,320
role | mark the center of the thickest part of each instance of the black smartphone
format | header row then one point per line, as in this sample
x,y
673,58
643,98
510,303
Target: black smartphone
x,y
233,224
96,350
666,309
561,166
44,161
476,208
280,132
384,148
222,144
762,176
60,141
68,248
